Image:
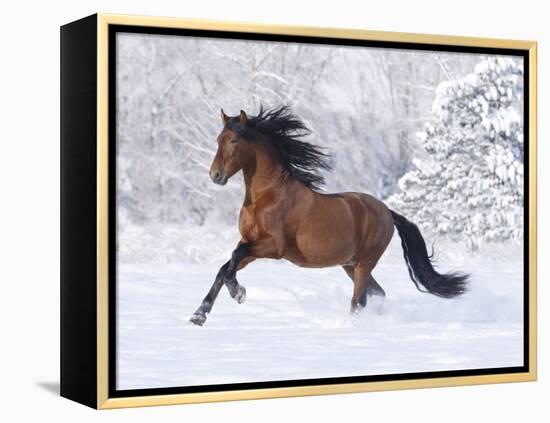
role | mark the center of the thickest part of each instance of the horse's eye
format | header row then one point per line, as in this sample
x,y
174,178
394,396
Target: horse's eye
x,y
234,140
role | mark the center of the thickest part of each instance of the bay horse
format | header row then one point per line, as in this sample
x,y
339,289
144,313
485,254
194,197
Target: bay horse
x,y
283,215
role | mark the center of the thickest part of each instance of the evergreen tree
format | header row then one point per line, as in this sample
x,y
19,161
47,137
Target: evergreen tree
x,y
469,183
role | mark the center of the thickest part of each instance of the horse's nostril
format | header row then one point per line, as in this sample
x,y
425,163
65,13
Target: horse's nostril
x,y
219,177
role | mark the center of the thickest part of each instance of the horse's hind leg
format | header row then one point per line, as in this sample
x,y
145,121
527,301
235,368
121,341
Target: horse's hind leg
x,y
361,279
364,285
374,289
350,270
376,294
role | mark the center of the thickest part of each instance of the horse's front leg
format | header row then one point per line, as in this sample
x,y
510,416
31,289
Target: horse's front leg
x,y
226,275
239,259
199,317
245,253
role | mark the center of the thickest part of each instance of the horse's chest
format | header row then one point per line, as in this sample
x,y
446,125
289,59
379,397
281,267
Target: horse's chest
x,y
249,223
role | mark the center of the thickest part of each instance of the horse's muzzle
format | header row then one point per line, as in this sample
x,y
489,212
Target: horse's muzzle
x,y
219,177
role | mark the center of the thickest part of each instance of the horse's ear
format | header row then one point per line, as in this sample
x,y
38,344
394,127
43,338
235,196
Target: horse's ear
x,y
242,117
225,118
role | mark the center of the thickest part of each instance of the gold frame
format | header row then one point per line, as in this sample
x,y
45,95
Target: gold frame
x,y
103,21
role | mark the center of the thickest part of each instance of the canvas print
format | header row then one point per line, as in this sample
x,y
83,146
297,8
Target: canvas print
x,y
297,211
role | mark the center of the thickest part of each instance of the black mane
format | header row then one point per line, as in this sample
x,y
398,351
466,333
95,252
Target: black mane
x,y
283,130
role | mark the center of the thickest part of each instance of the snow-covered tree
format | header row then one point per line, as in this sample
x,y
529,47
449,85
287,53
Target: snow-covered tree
x,y
468,184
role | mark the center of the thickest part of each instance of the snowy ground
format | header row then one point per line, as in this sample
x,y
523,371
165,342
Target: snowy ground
x,y
295,324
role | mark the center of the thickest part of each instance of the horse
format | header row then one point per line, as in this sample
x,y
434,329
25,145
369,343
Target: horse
x,y
285,216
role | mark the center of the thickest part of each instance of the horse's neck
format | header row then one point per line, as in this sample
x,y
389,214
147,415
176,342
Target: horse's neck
x,y
262,175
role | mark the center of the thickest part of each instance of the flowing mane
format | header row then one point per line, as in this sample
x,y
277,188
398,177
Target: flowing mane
x,y
283,130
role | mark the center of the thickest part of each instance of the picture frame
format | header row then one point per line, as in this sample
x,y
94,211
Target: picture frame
x,y
89,217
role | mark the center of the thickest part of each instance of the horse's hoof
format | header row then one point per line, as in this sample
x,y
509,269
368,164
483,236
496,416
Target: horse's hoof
x,y
237,292
240,296
198,319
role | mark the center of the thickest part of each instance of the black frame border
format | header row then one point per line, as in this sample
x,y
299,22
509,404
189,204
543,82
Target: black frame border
x,y
78,211
113,30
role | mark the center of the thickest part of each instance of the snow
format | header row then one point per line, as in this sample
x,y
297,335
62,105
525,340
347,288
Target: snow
x,y
176,243
296,324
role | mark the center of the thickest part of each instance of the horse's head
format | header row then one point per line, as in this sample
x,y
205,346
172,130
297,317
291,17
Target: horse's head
x,y
234,152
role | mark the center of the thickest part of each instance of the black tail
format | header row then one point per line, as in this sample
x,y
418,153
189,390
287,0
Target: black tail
x,y
420,267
